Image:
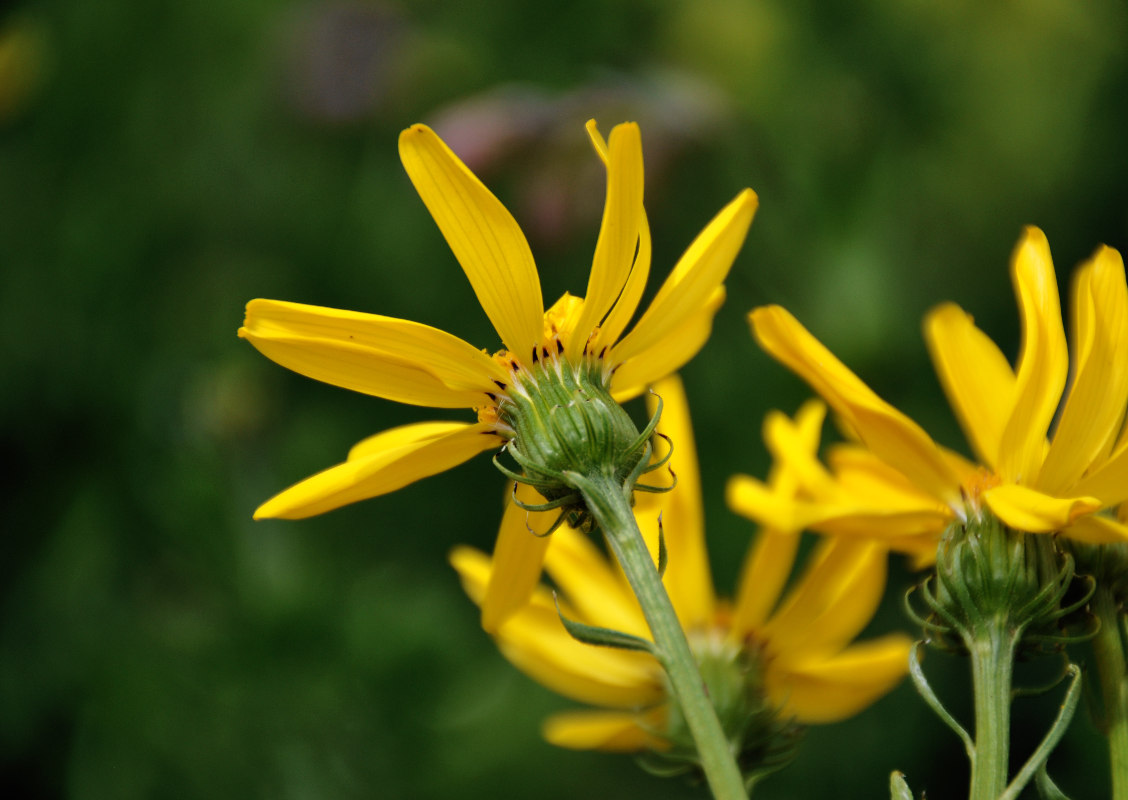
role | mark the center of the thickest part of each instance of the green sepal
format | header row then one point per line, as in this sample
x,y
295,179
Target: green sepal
x,y
663,555
602,637
898,788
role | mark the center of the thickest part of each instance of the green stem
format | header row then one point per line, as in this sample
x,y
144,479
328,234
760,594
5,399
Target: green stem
x,y
991,646
610,505
1108,647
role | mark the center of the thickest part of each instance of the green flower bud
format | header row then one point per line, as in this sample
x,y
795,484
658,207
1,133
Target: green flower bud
x,y
990,576
565,421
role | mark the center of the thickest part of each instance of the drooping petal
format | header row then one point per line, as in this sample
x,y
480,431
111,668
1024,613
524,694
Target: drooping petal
x,y
517,558
536,642
1094,408
1043,361
836,597
1031,511
834,688
483,235
979,382
687,579
697,274
671,352
382,464
591,585
618,234
610,731
885,430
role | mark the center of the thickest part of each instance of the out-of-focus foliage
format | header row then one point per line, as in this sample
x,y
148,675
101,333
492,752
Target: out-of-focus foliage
x,y
162,163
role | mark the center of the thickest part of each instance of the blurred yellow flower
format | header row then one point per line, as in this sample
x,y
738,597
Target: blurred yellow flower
x,y
767,661
412,363
900,482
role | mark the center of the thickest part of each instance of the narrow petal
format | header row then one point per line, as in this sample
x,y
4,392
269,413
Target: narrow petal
x,y
483,235
382,464
979,382
453,361
535,641
610,731
890,434
1109,481
1095,405
697,274
625,307
618,234
517,558
688,579
1025,509
364,369
1043,361
832,689
766,570
670,353
836,597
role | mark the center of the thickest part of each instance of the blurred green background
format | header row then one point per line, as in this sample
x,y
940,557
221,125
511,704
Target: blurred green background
x,y
162,163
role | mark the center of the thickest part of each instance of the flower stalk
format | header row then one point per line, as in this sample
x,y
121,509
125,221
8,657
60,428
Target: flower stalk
x,y
608,502
1108,649
992,649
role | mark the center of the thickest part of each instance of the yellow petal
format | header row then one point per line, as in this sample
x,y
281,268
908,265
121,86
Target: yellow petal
x,y
890,434
766,570
618,234
1025,509
483,235
627,303
597,140
365,369
382,464
671,352
1095,405
697,274
591,585
832,689
517,558
1093,529
836,597
535,641
610,731
687,579
1042,362
979,382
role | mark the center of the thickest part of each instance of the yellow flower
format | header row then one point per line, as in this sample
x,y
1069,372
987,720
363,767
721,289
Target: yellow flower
x,y
412,363
1031,480
789,658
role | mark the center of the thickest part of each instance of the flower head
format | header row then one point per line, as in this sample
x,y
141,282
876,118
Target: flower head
x,y
899,482
768,662
578,342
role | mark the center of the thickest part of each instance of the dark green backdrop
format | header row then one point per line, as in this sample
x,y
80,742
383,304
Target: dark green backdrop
x,y
161,163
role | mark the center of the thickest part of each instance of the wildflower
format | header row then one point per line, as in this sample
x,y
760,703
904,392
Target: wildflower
x,y
768,664
551,396
1031,481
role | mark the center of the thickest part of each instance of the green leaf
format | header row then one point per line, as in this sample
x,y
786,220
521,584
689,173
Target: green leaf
x,y
602,637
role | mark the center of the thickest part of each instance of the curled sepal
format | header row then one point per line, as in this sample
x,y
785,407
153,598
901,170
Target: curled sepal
x,y
925,690
602,637
898,787
1037,761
